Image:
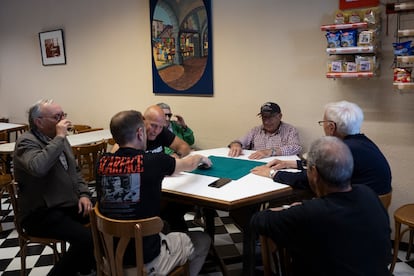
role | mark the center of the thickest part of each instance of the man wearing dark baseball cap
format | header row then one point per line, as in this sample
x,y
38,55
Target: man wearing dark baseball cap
x,y
272,138
269,107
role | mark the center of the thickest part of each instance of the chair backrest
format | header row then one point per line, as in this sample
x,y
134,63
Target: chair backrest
x,y
12,189
109,255
90,130
77,128
4,136
386,199
276,260
87,157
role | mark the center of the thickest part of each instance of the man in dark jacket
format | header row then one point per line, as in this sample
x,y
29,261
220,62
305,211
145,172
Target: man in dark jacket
x,y
331,234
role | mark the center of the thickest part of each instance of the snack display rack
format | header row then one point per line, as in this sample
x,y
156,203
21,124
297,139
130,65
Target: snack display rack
x,y
403,9
350,54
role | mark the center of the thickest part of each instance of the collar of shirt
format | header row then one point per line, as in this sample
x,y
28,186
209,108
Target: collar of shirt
x,y
277,131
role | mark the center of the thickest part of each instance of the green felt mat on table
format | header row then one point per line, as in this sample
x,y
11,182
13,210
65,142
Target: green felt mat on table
x,y
228,167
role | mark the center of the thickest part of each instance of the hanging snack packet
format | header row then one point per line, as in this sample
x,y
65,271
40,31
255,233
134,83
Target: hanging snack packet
x,y
334,39
402,75
365,63
339,17
371,16
349,38
354,16
402,48
366,38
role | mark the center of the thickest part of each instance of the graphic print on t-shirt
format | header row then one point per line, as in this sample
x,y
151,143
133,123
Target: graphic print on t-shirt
x,y
121,188
119,185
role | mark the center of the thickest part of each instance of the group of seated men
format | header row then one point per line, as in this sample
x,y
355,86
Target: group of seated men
x,y
55,201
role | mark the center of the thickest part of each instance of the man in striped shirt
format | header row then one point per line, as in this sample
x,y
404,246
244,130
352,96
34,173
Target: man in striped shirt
x,y
272,138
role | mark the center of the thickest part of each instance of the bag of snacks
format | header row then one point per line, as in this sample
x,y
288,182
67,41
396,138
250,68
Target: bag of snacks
x,y
334,39
402,75
349,38
402,48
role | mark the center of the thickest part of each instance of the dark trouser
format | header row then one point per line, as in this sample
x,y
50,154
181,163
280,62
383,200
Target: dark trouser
x,y
173,213
67,225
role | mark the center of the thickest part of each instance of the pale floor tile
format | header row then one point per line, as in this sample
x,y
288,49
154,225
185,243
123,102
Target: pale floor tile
x,y
222,239
403,254
232,228
222,213
9,252
403,269
239,247
40,271
13,234
217,221
30,263
7,226
189,216
212,274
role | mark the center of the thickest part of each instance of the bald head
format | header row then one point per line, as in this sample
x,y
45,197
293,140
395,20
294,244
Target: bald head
x,y
333,161
154,121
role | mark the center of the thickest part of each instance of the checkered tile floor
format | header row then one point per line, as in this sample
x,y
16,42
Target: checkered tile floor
x,y
228,243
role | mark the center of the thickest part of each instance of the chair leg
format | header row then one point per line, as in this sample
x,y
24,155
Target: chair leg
x,y
396,245
56,255
22,258
410,244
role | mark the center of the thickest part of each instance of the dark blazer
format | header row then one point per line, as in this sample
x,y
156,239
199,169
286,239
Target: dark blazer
x,y
44,182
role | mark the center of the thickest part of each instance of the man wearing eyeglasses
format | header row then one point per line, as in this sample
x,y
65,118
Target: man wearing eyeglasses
x,y
54,199
272,138
341,119
323,235
176,124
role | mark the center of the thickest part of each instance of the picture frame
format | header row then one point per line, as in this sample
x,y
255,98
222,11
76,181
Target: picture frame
x,y
52,47
182,57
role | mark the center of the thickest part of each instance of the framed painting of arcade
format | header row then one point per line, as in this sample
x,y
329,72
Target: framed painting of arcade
x,y
181,47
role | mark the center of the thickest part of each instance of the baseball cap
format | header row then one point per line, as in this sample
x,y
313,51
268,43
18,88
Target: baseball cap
x,y
269,107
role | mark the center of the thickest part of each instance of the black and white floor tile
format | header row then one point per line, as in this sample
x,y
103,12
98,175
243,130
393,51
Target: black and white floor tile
x,y
228,244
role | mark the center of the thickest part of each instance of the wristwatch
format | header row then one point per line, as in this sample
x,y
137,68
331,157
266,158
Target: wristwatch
x,y
272,173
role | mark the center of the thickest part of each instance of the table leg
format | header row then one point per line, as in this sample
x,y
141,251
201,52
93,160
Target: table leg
x,y
242,218
209,215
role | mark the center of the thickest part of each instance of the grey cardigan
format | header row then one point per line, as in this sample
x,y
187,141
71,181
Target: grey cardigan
x,y
43,180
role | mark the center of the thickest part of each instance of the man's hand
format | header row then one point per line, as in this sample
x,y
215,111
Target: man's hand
x,y
261,154
62,127
282,164
180,121
263,170
84,205
235,150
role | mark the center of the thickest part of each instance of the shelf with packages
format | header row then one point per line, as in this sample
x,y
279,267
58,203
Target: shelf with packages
x,y
335,27
352,50
404,62
350,56
344,75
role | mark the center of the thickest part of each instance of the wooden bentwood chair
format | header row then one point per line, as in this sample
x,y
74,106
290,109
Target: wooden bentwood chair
x,y
109,255
26,239
80,128
403,216
87,157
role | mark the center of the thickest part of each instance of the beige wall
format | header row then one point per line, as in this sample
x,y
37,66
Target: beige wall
x,y
262,50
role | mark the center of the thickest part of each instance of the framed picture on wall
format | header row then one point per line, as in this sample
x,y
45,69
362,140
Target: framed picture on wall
x,y
52,47
181,42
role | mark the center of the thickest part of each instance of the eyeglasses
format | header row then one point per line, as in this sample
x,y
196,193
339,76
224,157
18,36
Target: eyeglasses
x,y
326,121
58,117
169,115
